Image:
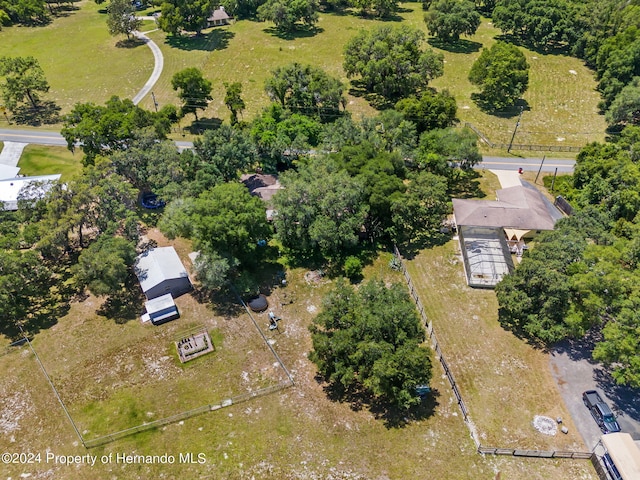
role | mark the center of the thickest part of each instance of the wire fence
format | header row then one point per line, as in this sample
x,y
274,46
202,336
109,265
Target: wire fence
x,y
111,437
521,146
515,452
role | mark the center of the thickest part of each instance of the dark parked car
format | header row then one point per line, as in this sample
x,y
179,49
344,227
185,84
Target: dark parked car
x,y
600,411
151,201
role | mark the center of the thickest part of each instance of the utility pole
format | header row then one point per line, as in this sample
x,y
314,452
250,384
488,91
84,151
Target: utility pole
x,y
553,182
155,104
515,129
540,169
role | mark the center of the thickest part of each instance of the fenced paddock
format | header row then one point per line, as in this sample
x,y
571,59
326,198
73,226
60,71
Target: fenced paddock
x,y
132,381
466,415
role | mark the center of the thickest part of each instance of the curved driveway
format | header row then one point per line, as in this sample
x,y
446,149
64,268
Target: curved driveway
x,y
157,68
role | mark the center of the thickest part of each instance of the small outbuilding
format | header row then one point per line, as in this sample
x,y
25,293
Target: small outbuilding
x,y
32,188
218,18
162,309
160,271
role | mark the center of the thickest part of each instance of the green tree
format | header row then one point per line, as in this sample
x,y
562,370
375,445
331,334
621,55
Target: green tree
x,y
189,15
95,202
122,18
25,287
448,19
389,61
320,210
23,78
193,89
390,131
625,108
26,12
233,100
382,176
282,136
441,147
224,221
151,165
106,129
502,74
429,111
212,270
306,89
105,265
419,213
286,13
380,8
541,23
221,155
368,341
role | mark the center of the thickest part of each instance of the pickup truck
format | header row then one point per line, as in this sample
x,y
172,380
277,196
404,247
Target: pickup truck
x,y
600,411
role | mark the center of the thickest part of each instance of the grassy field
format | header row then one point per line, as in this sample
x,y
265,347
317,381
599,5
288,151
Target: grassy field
x,y
562,101
111,375
81,61
46,160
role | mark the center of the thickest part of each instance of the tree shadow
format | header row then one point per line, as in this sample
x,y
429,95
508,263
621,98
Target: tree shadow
x,y
198,127
217,39
131,42
398,418
392,416
412,247
124,306
466,184
458,46
46,113
487,107
65,9
546,49
301,31
624,398
377,101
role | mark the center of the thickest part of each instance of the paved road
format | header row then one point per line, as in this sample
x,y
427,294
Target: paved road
x,y
40,137
575,371
528,164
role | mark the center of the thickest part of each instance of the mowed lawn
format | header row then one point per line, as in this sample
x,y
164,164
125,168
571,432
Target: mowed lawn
x,y
81,61
48,160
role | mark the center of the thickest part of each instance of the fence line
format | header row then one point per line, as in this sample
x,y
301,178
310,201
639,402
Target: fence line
x,y
55,391
515,452
184,415
521,146
243,397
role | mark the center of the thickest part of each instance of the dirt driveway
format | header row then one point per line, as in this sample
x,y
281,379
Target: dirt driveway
x,y
575,371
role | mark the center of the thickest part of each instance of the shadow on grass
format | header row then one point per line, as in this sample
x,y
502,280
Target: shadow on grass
x,y
458,46
132,42
377,101
466,184
392,416
301,31
46,113
214,40
201,125
546,49
124,306
410,249
486,106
